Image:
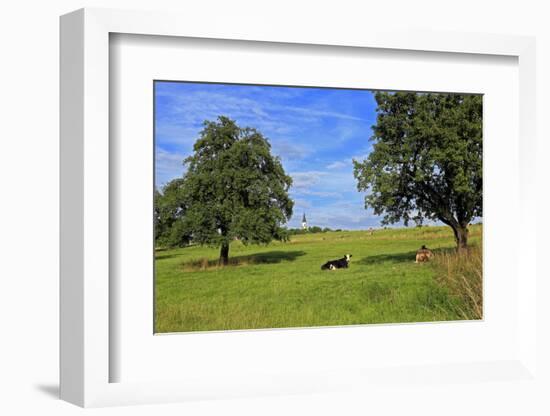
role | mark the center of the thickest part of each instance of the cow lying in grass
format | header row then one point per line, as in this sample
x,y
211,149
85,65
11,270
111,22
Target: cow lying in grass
x,y
342,263
424,254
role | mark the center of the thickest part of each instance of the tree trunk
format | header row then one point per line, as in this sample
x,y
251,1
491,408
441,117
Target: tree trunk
x,y
461,237
224,255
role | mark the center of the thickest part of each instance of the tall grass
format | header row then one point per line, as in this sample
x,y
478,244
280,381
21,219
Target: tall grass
x,y
462,274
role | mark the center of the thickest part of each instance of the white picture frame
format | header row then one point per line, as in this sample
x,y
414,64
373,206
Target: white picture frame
x,y
85,353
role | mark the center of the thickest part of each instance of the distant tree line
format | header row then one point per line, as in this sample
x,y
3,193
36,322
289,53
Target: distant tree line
x,y
310,230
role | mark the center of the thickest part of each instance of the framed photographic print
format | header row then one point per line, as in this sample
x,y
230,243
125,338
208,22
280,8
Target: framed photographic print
x,y
260,191
279,213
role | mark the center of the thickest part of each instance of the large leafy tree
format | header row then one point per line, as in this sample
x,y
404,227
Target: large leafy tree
x,y
426,161
233,188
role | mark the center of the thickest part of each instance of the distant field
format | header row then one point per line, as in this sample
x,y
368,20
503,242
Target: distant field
x,y
281,285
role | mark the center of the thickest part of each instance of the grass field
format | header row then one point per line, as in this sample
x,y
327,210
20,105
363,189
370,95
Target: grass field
x,y
281,285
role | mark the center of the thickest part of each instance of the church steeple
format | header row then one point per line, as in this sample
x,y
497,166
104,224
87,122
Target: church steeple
x,y
304,221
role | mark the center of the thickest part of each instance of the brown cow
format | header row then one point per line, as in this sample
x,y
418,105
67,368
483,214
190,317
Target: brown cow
x,y
424,254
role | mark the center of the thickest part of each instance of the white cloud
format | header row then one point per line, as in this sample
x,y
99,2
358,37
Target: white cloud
x,y
308,111
289,151
301,180
177,134
326,194
194,107
301,203
338,164
168,165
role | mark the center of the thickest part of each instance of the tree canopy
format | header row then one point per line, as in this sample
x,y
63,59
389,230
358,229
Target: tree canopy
x,y
171,229
233,188
426,161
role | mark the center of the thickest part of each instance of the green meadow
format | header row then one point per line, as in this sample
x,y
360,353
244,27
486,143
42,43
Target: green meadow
x,y
281,285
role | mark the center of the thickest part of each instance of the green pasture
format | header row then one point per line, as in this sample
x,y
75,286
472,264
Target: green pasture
x,y
281,285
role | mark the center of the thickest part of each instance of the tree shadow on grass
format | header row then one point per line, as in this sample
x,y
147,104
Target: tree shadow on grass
x,y
269,257
389,258
166,256
395,258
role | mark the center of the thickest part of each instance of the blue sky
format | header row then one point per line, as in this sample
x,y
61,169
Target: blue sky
x,y
316,132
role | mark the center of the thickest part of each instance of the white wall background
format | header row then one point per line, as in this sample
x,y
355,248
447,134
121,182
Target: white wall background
x,y
29,210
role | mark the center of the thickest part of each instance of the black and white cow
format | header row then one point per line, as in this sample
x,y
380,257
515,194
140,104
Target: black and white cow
x,y
342,263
